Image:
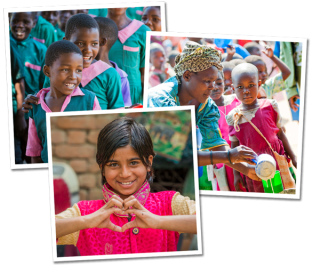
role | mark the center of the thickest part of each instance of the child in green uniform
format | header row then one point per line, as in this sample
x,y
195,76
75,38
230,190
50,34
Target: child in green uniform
x,y
32,53
43,31
53,18
63,65
97,76
129,50
17,82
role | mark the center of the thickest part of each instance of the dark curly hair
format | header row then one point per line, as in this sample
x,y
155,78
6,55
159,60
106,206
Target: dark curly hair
x,y
107,29
79,21
60,47
120,133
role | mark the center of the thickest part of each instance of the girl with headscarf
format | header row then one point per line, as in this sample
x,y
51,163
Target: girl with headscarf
x,y
196,71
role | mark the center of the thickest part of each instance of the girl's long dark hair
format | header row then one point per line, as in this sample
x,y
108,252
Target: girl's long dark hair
x,y
120,133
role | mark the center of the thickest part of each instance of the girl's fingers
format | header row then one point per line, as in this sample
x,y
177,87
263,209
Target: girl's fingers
x,y
132,203
128,226
114,202
114,227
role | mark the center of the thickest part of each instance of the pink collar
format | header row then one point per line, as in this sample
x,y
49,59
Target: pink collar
x,y
42,94
125,33
93,71
141,194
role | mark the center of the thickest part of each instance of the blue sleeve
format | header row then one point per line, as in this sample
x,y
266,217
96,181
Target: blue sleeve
x,y
207,121
241,51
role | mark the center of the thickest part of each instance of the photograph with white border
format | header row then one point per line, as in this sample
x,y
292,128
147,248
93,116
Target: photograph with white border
x,y
108,62
115,176
195,69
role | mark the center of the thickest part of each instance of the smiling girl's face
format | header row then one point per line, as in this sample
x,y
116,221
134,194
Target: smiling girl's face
x,y
125,172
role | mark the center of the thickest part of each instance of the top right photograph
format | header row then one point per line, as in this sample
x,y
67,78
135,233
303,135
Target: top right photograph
x,y
248,95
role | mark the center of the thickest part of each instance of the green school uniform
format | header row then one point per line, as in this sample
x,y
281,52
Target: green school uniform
x,y
102,12
60,34
32,54
44,32
106,86
135,13
17,73
129,54
77,103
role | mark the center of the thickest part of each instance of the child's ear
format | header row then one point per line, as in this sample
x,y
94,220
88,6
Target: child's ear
x,y
150,159
259,83
102,41
46,70
64,38
34,23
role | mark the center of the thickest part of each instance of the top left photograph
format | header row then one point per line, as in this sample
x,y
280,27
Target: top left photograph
x,y
62,59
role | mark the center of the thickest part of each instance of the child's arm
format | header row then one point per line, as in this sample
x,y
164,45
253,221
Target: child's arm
x,y
282,66
237,177
20,124
282,136
231,50
98,219
146,219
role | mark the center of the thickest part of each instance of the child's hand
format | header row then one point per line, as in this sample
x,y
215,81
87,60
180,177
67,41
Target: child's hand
x,y
237,181
292,102
252,173
101,218
143,218
231,50
31,99
268,51
242,154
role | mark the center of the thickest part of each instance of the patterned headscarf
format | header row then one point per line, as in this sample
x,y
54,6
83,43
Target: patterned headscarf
x,y
196,58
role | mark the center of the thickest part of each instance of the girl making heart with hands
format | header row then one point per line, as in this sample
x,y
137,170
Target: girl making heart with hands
x,y
130,219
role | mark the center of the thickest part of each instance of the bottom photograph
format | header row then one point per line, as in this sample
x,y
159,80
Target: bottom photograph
x,y
123,184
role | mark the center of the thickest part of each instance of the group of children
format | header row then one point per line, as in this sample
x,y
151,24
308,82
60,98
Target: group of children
x,y
45,51
226,95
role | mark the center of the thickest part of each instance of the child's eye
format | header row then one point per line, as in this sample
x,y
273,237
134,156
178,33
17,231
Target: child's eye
x,y
239,87
79,70
134,163
80,43
95,44
156,19
113,164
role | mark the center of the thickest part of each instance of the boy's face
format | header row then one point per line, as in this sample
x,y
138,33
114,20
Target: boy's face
x,y
227,81
200,84
51,16
218,88
172,62
65,73
246,87
152,18
157,59
21,25
88,42
64,16
263,76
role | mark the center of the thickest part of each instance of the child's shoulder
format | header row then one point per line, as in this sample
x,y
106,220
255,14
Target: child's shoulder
x,y
38,45
229,99
229,116
163,196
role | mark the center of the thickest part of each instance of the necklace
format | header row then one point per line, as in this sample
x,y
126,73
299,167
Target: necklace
x,y
225,110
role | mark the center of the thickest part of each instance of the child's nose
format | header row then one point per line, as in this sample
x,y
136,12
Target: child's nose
x,y
125,171
148,22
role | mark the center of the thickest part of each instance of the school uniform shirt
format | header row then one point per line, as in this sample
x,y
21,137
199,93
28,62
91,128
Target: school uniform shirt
x,y
129,54
78,100
102,12
44,32
125,86
207,114
32,54
274,85
104,81
60,34
17,72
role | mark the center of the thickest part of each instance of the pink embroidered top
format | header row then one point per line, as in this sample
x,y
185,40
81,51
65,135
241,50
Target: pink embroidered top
x,y
34,147
101,241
